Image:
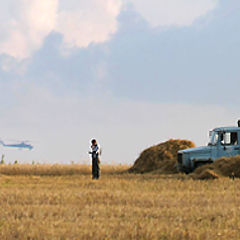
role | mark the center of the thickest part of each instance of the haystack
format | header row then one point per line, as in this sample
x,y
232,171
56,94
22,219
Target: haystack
x,y
206,174
162,157
228,166
223,167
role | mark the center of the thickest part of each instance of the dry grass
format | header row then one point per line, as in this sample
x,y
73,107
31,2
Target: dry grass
x,y
118,206
56,169
161,158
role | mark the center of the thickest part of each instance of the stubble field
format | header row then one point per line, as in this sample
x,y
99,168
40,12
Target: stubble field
x,y
70,205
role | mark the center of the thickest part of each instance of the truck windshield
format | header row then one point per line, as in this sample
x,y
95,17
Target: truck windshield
x,y
214,138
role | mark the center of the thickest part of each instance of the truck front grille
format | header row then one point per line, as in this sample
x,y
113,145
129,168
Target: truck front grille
x,y
180,158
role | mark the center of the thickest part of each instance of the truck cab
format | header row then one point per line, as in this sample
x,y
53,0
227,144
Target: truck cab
x,y
224,142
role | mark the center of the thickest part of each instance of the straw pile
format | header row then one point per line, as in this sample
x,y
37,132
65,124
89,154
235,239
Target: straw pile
x,y
206,174
223,167
161,158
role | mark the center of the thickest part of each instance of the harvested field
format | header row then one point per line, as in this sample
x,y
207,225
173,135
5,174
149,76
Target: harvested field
x,y
56,169
118,206
161,158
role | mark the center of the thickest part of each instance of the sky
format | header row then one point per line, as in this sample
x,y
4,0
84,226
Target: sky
x,y
130,73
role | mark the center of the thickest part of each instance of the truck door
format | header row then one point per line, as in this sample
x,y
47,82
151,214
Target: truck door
x,y
229,145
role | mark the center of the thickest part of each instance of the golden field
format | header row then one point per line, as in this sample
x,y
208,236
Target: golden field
x,y
63,202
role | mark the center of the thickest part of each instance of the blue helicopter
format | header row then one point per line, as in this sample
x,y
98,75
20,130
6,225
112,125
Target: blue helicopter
x,y
22,145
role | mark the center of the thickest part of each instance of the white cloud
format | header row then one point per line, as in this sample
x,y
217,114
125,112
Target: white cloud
x,y
173,12
24,25
82,23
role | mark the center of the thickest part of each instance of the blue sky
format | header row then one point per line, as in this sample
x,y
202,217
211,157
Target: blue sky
x,y
129,72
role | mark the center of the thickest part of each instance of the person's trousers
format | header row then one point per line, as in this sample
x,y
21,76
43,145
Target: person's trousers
x,y
95,168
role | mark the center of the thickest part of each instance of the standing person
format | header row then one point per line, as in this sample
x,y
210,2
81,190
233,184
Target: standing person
x,y
95,159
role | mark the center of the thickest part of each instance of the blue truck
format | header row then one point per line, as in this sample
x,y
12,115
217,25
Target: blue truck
x,y
224,142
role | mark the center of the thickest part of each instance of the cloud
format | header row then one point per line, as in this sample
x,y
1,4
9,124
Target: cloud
x,y
173,12
82,23
24,25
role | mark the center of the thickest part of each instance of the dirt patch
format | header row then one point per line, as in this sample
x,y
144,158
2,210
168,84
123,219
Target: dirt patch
x,y
161,158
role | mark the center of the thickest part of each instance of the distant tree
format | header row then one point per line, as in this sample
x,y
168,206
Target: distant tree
x,y
16,162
